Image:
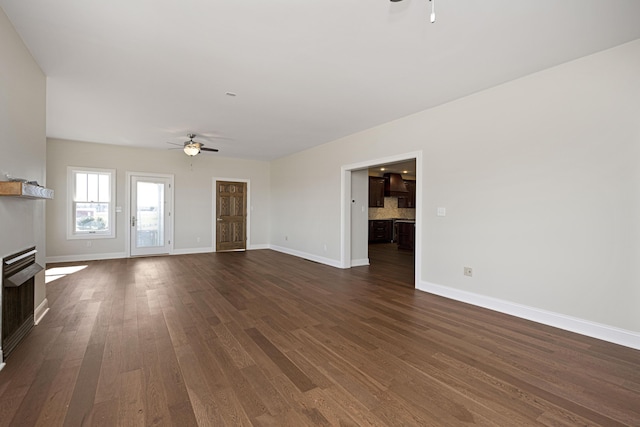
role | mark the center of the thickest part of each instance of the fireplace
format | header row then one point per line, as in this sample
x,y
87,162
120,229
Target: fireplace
x,y
18,283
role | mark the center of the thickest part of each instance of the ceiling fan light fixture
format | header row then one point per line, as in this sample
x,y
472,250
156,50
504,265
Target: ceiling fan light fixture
x,y
191,149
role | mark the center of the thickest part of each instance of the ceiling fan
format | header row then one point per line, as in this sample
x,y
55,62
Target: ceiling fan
x,y
193,148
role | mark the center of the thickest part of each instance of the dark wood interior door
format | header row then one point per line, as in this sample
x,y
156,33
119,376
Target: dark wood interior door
x,y
231,216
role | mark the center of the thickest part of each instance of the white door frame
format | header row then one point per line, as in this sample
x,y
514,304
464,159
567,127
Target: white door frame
x,y
168,233
345,207
215,213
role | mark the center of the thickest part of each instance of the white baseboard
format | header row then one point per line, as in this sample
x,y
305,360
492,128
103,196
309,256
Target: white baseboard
x,y
117,255
310,257
359,262
41,311
212,250
2,365
189,251
573,324
86,257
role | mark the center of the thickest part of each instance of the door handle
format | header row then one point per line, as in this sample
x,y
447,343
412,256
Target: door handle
x,y
218,219
133,221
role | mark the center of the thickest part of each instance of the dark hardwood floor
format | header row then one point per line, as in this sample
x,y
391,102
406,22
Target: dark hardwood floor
x,y
263,338
390,265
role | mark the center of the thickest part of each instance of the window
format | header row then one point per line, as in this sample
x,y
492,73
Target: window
x,y
91,199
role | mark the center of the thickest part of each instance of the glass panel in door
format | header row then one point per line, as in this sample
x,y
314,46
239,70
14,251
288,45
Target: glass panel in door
x,y
148,223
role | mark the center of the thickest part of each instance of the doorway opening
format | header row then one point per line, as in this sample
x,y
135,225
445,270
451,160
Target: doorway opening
x,y
386,235
391,219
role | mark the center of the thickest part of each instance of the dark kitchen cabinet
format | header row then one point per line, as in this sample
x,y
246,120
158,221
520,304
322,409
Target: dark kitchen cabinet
x,y
408,201
406,235
376,192
380,230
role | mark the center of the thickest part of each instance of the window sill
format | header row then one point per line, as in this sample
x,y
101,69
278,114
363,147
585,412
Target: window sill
x,y
90,236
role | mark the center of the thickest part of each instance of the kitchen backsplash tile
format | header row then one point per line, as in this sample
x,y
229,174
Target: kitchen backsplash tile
x,y
391,210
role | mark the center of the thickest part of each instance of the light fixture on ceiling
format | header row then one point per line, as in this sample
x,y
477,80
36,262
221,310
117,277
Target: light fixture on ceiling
x,y
192,149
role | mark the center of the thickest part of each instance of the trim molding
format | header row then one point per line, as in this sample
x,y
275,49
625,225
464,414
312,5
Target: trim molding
x,y
117,255
359,262
310,257
40,311
86,257
189,251
573,324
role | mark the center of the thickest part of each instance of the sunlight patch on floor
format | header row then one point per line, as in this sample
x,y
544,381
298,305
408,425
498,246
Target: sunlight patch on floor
x,y
57,272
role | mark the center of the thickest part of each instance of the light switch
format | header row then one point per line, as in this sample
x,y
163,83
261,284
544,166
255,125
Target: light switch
x,y
118,209
442,211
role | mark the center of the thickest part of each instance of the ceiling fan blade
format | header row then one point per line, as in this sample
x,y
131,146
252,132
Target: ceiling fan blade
x,y
209,149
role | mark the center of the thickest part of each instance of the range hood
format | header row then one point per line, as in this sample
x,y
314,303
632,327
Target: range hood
x,y
394,185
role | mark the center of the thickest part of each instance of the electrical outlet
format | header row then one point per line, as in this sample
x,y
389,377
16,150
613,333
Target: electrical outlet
x,y
88,243
468,271
197,240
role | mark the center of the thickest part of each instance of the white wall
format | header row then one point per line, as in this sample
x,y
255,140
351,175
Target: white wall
x,y
22,147
304,196
540,178
193,195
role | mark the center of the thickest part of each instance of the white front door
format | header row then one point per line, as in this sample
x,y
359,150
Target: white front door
x,y
150,221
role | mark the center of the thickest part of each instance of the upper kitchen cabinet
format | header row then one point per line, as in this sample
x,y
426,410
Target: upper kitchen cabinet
x,y
376,192
408,200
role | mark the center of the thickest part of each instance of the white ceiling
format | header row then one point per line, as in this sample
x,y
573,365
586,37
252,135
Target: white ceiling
x,y
144,72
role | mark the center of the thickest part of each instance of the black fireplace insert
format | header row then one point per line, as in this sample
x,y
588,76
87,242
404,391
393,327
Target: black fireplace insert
x,y
18,287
